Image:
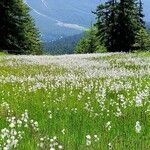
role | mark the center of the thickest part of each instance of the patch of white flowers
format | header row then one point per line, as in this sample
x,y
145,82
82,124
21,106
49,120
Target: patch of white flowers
x,y
50,114
98,85
138,127
138,100
10,138
88,140
108,125
50,143
91,139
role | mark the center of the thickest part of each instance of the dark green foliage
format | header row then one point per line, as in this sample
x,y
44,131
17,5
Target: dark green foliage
x,y
90,43
140,14
119,28
126,25
118,23
17,29
82,46
106,17
87,43
65,45
142,40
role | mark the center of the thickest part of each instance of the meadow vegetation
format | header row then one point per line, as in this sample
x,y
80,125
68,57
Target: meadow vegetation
x,y
75,102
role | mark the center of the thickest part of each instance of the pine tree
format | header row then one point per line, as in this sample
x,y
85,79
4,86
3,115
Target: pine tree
x,y
111,6
118,22
140,14
17,29
88,43
91,41
106,24
126,25
142,40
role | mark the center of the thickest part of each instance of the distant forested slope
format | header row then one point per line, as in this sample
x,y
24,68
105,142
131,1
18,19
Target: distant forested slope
x,y
62,46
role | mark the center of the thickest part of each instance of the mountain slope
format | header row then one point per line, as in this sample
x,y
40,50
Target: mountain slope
x,y
63,45
57,18
62,17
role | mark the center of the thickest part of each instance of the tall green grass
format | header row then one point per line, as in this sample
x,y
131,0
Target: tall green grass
x,y
98,113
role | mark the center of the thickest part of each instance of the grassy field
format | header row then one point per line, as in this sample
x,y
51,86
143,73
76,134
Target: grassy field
x,y
76,102
2,54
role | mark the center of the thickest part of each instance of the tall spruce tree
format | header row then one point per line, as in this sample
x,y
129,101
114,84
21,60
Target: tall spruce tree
x,y
18,34
142,39
111,7
140,13
118,22
126,25
106,24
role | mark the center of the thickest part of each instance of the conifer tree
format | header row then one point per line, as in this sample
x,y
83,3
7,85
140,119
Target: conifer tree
x,y
106,24
88,43
142,40
140,13
17,29
118,22
126,25
111,6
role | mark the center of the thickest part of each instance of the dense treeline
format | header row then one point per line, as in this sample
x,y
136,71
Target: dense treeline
x,y
18,34
120,27
66,45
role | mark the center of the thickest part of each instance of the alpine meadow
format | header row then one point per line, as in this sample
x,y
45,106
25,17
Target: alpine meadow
x,y
74,75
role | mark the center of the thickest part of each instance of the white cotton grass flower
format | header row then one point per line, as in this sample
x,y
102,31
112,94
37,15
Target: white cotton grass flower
x,y
19,123
5,105
108,125
138,127
41,145
88,137
96,138
88,140
60,147
50,114
51,143
12,125
118,113
10,138
110,146
138,101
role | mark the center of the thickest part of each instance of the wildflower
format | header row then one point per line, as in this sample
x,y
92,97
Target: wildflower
x,y
50,114
108,125
96,138
60,147
12,125
138,127
110,146
138,101
88,140
88,137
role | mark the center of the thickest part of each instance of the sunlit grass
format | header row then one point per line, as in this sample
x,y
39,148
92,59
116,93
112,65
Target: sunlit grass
x,y
87,107
2,54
